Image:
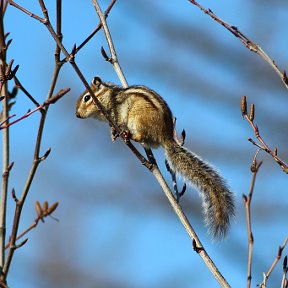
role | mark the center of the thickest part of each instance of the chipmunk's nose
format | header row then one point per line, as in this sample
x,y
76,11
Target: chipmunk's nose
x,y
78,114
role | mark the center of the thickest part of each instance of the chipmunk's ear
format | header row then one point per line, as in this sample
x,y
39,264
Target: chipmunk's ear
x,y
96,81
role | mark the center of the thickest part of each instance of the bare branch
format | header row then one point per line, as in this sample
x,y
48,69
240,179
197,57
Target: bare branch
x,y
22,88
248,43
247,202
97,28
42,212
276,260
191,232
263,146
5,142
26,11
114,59
284,283
37,159
52,100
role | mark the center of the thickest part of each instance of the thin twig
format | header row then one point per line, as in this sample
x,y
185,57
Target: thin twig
x,y
276,260
32,15
58,28
97,28
5,145
191,232
247,202
47,103
113,59
19,85
44,212
37,159
263,146
284,282
3,6
248,43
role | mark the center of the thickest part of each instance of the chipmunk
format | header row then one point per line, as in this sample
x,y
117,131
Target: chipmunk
x,y
147,118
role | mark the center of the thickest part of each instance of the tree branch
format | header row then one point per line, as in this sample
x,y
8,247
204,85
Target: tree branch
x,y
98,28
276,260
113,59
37,159
5,141
248,43
46,104
43,212
262,146
247,202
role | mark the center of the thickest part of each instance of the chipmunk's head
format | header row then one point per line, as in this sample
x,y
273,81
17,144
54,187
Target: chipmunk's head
x,y
85,106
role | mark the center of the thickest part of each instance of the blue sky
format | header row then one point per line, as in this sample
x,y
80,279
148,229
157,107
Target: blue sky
x,y
115,227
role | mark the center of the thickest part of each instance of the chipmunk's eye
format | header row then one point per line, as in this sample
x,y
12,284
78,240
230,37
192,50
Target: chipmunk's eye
x,y
87,98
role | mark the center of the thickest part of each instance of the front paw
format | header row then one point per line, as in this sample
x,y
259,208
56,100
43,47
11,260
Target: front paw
x,y
126,135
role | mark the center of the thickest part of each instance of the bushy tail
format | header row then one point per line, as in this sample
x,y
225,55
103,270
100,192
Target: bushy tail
x,y
217,199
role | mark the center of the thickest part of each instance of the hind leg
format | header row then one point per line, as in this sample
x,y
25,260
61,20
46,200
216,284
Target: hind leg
x,y
143,133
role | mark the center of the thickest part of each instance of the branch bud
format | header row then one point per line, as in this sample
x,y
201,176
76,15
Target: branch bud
x,y
22,243
45,207
39,210
45,155
253,167
14,195
252,112
104,54
52,208
243,106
